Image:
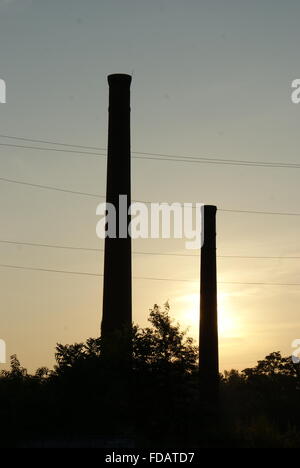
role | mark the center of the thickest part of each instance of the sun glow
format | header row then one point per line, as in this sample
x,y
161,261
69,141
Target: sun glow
x,y
228,323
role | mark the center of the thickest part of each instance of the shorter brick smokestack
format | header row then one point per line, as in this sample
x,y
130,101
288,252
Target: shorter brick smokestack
x,y
208,345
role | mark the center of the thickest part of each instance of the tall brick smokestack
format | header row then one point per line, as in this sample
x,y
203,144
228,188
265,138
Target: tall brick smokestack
x,y
208,346
117,295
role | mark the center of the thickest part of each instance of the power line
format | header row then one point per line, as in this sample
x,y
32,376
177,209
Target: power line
x,y
21,267
259,257
51,246
218,161
89,249
83,273
50,187
47,142
151,156
281,213
96,195
52,149
259,283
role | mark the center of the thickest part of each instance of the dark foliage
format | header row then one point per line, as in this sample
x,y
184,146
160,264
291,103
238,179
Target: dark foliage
x,y
156,404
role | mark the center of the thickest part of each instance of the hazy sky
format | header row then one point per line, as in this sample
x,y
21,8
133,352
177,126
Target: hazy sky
x,y
210,78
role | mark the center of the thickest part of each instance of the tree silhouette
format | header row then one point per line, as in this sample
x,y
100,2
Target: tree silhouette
x,y
83,397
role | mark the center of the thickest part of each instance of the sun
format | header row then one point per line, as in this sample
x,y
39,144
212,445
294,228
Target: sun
x,y
228,324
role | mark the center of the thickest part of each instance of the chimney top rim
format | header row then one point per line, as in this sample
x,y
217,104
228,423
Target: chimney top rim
x,y
119,78
210,207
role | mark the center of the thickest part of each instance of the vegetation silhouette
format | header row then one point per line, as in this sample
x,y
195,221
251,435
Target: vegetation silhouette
x,y
86,401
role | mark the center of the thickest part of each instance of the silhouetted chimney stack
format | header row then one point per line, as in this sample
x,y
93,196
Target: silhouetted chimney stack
x,y
208,345
117,296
